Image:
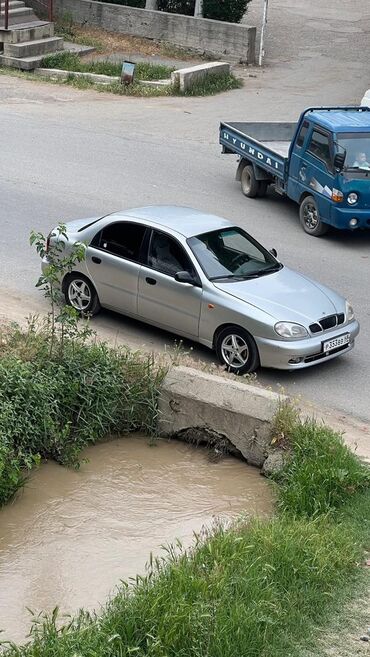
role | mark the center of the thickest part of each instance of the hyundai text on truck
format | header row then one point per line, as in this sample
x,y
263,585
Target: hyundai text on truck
x,y
322,162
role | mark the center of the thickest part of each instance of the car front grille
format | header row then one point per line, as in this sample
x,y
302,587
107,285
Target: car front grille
x,y
326,323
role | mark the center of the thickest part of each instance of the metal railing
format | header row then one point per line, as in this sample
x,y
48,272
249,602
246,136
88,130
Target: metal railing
x,y
6,13
44,7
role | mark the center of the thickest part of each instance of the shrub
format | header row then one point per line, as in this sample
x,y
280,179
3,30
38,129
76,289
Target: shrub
x,y
11,477
54,404
186,7
231,11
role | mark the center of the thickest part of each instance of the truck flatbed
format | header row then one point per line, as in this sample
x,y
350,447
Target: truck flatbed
x,y
267,143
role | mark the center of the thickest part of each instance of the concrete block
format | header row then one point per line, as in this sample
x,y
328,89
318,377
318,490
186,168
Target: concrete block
x,y
187,77
58,74
239,412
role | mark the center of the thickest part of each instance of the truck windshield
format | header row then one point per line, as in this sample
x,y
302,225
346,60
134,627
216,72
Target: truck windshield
x,y
230,253
357,146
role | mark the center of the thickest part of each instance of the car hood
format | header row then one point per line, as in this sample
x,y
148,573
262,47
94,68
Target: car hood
x,y
286,295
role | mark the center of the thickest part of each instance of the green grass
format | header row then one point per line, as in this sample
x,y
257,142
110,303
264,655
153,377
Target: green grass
x,y
257,589
68,61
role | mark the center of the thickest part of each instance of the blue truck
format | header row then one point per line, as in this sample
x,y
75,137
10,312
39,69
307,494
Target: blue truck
x,y
322,162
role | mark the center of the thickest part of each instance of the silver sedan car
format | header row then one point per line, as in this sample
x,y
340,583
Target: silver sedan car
x,y
203,278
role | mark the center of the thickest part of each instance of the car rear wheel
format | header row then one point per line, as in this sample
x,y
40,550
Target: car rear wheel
x,y
237,350
310,218
250,184
80,293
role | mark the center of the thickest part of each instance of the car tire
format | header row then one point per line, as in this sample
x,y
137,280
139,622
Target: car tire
x,y
250,184
310,218
80,293
237,350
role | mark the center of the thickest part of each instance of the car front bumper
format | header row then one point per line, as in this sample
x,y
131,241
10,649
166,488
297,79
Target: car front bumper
x,y
280,353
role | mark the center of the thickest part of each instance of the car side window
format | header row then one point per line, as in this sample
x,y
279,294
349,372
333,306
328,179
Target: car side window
x,y
302,134
122,239
319,147
167,255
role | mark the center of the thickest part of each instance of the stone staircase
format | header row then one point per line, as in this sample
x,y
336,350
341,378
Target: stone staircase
x,y
27,39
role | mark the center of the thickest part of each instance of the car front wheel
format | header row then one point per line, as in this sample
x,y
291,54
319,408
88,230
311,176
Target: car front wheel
x,y
80,293
237,350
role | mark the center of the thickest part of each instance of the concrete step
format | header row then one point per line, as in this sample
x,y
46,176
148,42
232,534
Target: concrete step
x,y
13,4
24,64
19,11
27,32
32,32
33,48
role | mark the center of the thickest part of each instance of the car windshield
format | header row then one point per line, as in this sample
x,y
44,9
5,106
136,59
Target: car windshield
x,y
357,147
230,253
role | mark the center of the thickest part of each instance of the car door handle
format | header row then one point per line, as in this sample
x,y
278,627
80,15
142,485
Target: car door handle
x,y
97,260
151,281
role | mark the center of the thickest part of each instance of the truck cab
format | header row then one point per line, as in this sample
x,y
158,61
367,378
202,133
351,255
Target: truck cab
x,y
329,169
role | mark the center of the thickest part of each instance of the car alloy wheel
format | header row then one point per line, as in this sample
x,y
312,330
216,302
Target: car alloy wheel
x,y
81,295
237,350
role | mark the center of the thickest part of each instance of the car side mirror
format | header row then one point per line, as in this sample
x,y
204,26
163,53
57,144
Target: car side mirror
x,y
339,160
273,252
185,277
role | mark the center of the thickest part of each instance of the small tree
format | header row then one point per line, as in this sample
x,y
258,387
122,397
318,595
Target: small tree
x,y
60,261
231,11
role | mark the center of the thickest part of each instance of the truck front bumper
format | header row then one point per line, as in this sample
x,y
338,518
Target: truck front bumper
x,y
341,217
297,354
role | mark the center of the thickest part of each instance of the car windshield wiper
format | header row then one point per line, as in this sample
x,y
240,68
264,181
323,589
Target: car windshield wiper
x,y
235,277
269,270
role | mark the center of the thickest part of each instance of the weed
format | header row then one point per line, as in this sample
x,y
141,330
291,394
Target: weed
x,y
214,84
322,474
71,62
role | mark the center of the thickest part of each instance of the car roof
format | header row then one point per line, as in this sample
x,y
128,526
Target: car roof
x,y
188,222
350,120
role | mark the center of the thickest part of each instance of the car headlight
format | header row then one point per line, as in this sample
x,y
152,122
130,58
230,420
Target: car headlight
x,y
350,315
352,198
290,330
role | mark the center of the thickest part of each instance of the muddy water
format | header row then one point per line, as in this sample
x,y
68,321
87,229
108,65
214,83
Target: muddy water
x,y
71,536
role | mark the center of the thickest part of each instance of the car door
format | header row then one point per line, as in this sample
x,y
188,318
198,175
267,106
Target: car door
x,y
317,169
113,260
162,300
297,181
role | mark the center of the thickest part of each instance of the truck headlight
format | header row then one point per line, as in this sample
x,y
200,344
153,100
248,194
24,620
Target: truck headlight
x,y
290,331
352,198
350,315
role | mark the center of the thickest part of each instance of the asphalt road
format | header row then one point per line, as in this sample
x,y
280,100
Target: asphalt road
x,y
67,154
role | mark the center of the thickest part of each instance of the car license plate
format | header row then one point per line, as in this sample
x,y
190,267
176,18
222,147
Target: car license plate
x,y
334,343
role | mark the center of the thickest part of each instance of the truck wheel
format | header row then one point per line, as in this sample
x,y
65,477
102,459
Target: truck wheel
x,y
310,218
249,182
